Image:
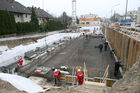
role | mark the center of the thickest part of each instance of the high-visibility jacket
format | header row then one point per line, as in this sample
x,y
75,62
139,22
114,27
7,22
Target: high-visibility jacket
x,y
80,78
57,74
20,62
80,75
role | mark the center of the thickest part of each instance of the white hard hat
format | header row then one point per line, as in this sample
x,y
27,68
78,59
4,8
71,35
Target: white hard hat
x,y
79,70
55,70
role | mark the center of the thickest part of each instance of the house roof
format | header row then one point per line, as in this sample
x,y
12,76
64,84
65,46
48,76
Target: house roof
x,y
41,13
13,7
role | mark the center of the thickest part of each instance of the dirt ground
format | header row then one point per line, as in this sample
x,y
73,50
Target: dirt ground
x,y
130,83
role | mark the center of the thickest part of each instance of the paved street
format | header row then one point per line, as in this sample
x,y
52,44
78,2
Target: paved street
x,y
80,51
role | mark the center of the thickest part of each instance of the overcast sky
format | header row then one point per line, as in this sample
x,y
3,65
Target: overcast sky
x,y
100,7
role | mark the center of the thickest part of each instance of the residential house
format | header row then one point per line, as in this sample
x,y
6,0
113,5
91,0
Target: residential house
x,y
21,13
41,14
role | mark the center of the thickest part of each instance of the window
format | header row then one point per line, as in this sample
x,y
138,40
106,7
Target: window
x,y
26,15
87,22
17,15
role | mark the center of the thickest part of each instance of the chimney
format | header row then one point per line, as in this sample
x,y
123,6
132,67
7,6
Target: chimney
x,y
13,1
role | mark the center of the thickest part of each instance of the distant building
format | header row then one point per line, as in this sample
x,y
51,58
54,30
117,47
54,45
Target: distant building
x,y
117,18
41,14
138,16
133,15
21,13
89,20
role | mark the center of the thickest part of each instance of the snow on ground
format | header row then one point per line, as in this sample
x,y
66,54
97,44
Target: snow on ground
x,y
29,36
91,29
21,83
9,56
3,48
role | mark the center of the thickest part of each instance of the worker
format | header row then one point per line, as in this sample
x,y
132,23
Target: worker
x,y
86,36
20,62
80,77
117,66
53,69
105,46
101,47
57,77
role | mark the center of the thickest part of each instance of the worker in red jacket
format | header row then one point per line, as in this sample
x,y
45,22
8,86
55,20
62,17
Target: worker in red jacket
x,y
20,62
57,77
80,77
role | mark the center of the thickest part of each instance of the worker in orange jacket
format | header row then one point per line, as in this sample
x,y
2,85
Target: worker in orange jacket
x,y
20,62
80,77
57,77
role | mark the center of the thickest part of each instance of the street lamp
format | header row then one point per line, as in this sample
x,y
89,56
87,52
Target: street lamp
x,y
113,7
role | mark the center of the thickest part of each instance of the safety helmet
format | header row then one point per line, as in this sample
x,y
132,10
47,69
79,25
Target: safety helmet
x,y
55,70
120,61
79,70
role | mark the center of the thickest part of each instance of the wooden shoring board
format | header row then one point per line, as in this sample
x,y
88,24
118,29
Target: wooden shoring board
x,y
134,53
122,47
85,72
138,50
113,39
120,44
125,50
130,53
116,43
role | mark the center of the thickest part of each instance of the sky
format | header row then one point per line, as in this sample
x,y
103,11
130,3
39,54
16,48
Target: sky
x,y
102,8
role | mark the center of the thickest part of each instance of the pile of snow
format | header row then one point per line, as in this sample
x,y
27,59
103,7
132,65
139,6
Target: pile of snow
x,y
91,29
21,83
3,48
9,56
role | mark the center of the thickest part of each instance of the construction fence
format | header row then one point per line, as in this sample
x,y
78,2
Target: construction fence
x,y
126,47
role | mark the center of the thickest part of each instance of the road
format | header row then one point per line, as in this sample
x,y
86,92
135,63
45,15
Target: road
x,y
80,51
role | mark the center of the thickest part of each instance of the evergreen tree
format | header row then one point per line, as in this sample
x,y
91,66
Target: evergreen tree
x,y
77,20
34,18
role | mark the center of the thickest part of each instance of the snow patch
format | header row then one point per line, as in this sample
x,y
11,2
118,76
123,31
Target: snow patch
x,y
9,56
3,48
21,83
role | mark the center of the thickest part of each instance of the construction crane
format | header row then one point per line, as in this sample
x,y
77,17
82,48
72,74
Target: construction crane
x,y
73,24
73,12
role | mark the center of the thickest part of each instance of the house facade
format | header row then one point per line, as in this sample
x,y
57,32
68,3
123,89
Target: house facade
x,y
21,13
41,14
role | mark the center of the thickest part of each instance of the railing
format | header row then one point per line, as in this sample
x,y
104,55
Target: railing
x,y
69,79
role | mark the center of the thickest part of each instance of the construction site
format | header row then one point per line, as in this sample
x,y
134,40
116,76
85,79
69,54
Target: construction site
x,y
50,62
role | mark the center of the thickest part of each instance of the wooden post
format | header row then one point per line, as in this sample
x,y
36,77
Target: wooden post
x,y
85,72
105,74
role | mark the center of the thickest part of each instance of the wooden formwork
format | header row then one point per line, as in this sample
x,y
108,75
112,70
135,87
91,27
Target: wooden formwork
x,y
126,48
